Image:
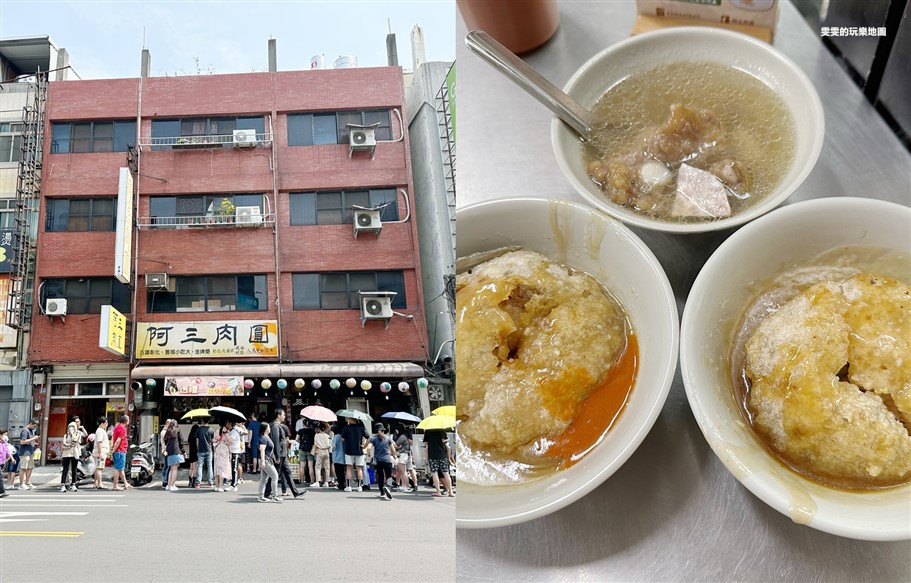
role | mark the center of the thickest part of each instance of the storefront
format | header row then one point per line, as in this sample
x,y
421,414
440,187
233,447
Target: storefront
x,y
375,388
89,391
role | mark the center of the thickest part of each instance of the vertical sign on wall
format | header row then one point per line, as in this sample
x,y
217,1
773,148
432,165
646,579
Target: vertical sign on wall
x,y
112,336
124,241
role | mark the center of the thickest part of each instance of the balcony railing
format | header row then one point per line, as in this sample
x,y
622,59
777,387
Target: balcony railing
x,y
208,142
205,221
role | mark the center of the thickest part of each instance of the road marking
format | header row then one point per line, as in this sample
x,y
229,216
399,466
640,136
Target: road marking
x,y
18,504
36,533
58,498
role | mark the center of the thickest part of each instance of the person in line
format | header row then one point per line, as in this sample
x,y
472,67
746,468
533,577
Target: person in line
x,y
100,451
384,454
438,457
305,437
72,442
163,449
269,474
338,456
253,429
235,447
355,437
119,447
204,437
280,456
242,456
5,455
222,456
174,448
321,451
403,450
193,452
11,467
27,439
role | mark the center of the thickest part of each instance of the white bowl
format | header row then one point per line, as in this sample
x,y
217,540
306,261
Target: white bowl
x,y
587,240
732,49
755,253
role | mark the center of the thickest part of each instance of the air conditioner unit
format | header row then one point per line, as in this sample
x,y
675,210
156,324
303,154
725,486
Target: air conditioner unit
x,y
157,281
376,305
244,138
248,216
367,220
362,138
55,307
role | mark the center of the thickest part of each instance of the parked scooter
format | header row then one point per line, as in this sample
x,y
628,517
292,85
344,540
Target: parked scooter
x,y
85,464
142,462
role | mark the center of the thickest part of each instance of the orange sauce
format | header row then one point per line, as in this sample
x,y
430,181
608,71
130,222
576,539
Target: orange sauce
x,y
600,410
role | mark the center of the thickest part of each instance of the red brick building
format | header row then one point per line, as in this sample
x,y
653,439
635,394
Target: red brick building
x,y
258,224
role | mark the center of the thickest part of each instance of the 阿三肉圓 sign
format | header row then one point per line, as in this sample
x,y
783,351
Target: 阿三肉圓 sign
x,y
216,339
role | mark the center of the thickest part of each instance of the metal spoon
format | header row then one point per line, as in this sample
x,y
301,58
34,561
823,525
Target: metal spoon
x,y
516,70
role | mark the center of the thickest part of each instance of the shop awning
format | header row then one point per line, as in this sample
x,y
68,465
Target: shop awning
x,y
321,369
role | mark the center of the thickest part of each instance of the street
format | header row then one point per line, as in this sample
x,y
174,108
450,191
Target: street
x,y
149,534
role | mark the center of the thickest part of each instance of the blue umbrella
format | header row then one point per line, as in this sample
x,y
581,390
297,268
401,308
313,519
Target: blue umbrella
x,y
401,416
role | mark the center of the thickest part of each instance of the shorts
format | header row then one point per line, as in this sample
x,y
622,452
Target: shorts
x,y
26,462
306,457
254,453
439,466
354,460
402,459
120,460
12,464
99,462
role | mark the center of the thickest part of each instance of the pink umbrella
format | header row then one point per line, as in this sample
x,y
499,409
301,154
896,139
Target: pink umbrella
x,y
318,413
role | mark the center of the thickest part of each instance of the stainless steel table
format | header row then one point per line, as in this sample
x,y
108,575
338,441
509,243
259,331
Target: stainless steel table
x,y
672,512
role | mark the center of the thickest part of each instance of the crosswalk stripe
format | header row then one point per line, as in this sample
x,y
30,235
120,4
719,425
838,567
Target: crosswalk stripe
x,y
18,504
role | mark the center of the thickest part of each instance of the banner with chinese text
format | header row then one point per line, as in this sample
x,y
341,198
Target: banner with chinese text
x,y
203,386
216,339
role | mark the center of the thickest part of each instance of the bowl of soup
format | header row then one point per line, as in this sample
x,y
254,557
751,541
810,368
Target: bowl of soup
x,y
796,360
567,337
699,129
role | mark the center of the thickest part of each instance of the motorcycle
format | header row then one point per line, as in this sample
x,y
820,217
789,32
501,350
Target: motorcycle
x,y
85,464
142,462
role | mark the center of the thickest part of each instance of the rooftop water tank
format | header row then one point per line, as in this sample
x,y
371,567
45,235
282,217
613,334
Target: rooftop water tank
x,y
346,62
318,62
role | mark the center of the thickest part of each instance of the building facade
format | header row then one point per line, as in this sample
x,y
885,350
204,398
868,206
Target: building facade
x,y
257,233
27,64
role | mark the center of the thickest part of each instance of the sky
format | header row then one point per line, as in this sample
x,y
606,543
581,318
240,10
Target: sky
x,y
105,39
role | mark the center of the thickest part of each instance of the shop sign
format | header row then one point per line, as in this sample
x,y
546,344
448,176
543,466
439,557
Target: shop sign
x,y
123,240
216,339
204,386
115,407
113,333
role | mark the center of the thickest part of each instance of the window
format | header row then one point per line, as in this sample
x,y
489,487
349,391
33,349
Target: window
x,y
11,141
88,389
314,129
338,291
79,214
166,132
92,136
334,208
7,213
86,295
212,293
169,211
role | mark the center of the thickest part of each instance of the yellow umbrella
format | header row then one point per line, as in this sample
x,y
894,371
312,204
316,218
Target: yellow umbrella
x,y
195,413
437,422
445,410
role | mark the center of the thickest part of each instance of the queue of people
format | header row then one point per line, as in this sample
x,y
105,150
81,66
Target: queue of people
x,y
336,455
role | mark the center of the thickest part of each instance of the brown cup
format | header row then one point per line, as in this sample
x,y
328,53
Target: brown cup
x,y
519,25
